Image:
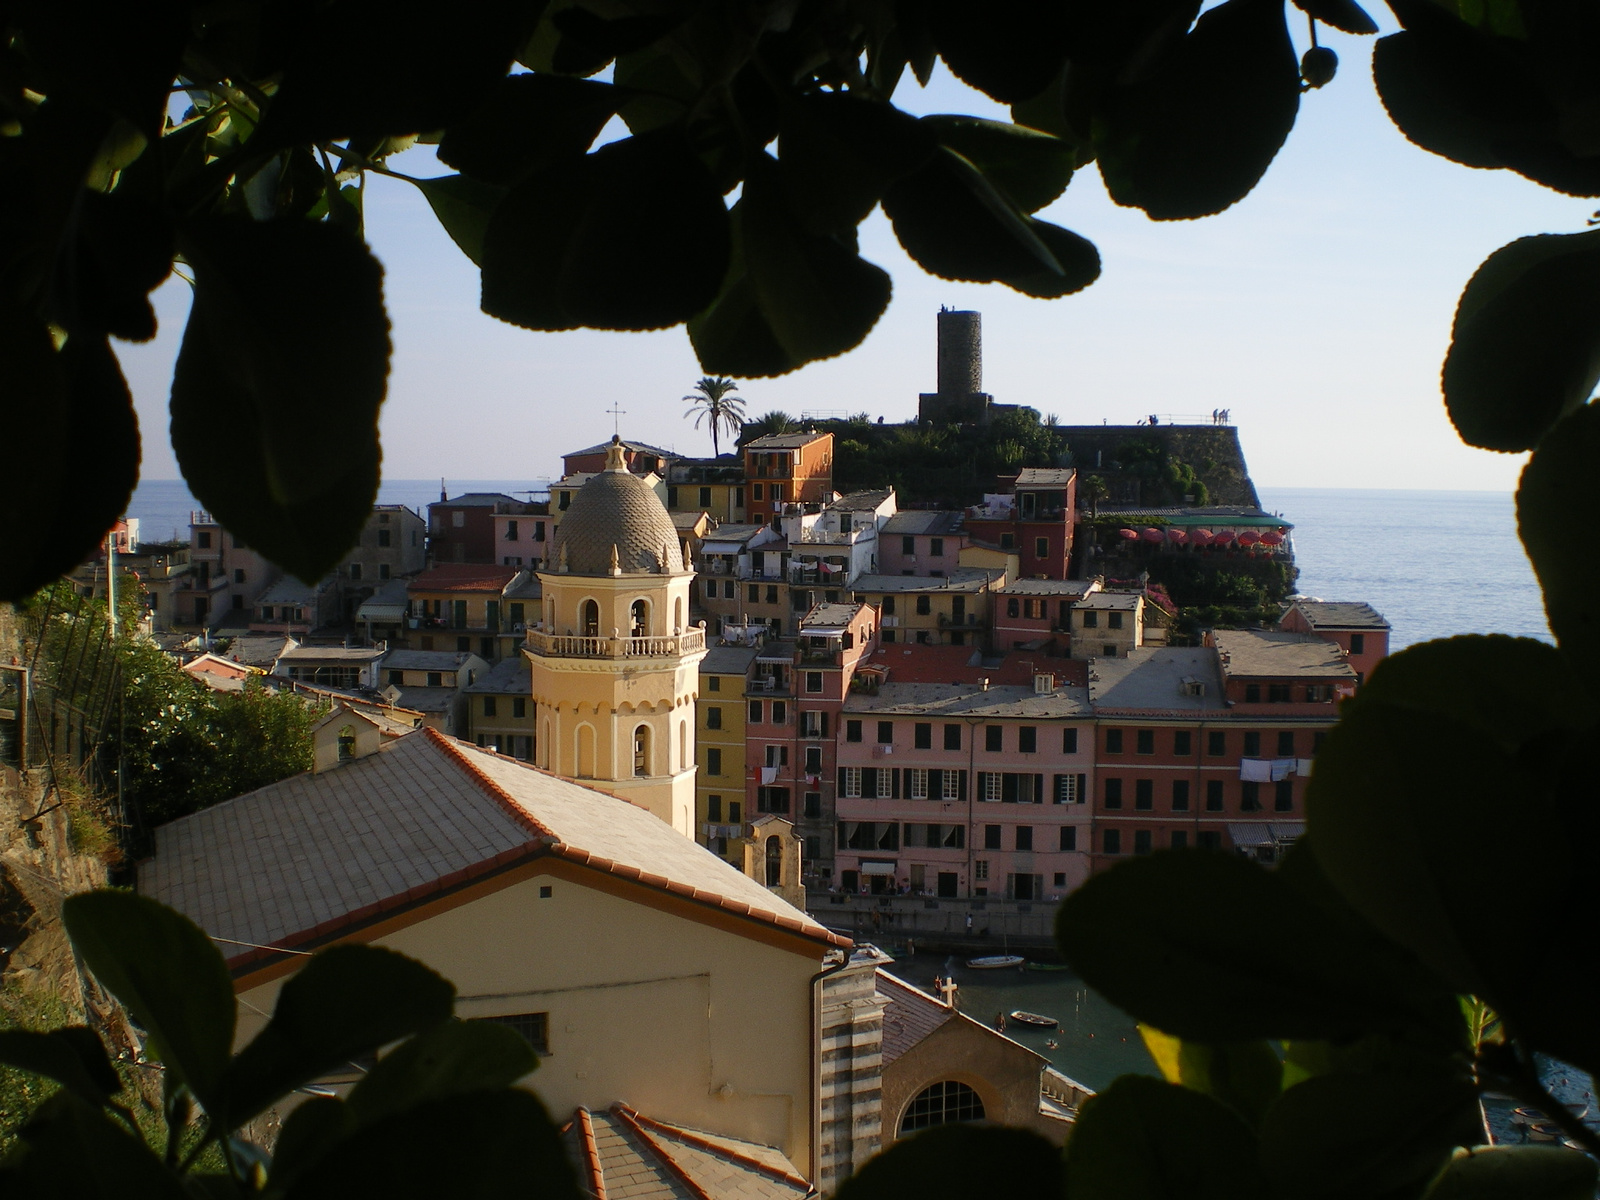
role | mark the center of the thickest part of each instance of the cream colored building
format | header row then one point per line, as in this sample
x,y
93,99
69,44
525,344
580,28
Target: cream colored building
x,y
630,957
614,660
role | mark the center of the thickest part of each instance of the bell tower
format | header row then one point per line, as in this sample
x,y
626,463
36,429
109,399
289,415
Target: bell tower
x,y
614,663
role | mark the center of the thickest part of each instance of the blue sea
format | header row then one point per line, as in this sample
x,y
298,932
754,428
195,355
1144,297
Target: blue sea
x,y
1434,563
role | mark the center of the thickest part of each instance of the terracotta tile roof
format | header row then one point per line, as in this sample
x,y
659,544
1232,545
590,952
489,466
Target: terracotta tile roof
x,y
621,1154
463,577
910,1015
319,854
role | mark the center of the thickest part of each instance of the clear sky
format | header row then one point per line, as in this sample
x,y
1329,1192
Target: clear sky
x,y
1317,310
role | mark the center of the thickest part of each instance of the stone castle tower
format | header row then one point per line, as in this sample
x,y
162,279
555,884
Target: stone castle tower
x,y
960,398
614,663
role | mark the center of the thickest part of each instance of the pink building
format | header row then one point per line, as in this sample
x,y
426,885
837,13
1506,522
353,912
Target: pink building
x,y
1211,746
1036,614
791,727
921,543
1358,629
965,789
1033,515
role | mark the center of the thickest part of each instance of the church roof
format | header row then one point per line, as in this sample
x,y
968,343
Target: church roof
x,y
615,508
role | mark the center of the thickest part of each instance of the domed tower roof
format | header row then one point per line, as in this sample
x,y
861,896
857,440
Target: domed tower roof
x,y
617,526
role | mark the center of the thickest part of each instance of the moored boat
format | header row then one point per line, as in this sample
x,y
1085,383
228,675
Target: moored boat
x,y
1033,1018
994,962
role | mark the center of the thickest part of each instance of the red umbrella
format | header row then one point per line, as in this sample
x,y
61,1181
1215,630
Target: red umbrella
x,y
1128,535
1202,536
1224,537
1174,534
1152,534
1272,538
1249,537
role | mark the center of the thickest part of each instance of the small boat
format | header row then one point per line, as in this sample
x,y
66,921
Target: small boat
x,y
1028,1018
1048,967
994,962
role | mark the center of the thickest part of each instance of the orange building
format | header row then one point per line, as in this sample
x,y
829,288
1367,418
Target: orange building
x,y
1358,629
787,468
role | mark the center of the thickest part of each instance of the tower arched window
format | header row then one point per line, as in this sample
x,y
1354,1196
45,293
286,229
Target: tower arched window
x,y
641,750
591,618
774,861
639,619
944,1103
677,615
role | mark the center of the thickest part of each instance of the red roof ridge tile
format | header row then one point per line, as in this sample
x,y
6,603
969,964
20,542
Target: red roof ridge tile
x,y
591,1153
453,749
705,1143
630,1118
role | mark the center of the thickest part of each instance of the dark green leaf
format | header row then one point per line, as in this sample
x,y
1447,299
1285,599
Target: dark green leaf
x,y
408,76
957,226
956,1162
1007,49
1245,955
1030,168
72,1151
1124,39
485,1145
1077,257
1197,131
819,297
120,62
732,335
447,1060
345,1002
72,445
1246,1076
314,1127
1483,100
74,1057
1341,14
634,236
168,975
464,207
529,121
1557,477
1410,812
1366,1135
117,251
838,153
1142,1139
657,88
1516,1173
288,326
1446,677
1525,349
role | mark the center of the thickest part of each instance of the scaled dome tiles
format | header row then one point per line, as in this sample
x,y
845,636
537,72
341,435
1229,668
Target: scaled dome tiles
x,y
617,509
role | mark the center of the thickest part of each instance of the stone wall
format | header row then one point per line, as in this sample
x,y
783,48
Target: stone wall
x,y
1093,448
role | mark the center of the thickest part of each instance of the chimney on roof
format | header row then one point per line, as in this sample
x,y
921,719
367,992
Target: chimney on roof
x,y
443,495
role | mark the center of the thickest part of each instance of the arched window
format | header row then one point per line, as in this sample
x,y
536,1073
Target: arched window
x,y
591,619
683,745
640,619
641,750
942,1103
677,615
774,861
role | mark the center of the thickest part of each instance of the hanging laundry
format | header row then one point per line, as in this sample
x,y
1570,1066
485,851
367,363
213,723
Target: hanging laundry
x,y
768,774
1255,770
1302,766
1282,768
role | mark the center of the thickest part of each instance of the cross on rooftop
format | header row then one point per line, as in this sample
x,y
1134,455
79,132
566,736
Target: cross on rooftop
x,y
616,417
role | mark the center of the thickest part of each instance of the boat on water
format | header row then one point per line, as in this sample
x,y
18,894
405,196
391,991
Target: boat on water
x,y
1033,1018
995,962
1048,967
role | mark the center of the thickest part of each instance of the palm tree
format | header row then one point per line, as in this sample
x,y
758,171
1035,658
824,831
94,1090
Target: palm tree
x,y
713,398
776,421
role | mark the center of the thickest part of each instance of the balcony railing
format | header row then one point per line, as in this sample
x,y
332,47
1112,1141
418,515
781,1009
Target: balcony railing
x,y
558,645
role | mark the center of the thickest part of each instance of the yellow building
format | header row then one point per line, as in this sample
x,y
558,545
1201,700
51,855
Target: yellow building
x,y
719,737
614,661
628,956
938,610
500,713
